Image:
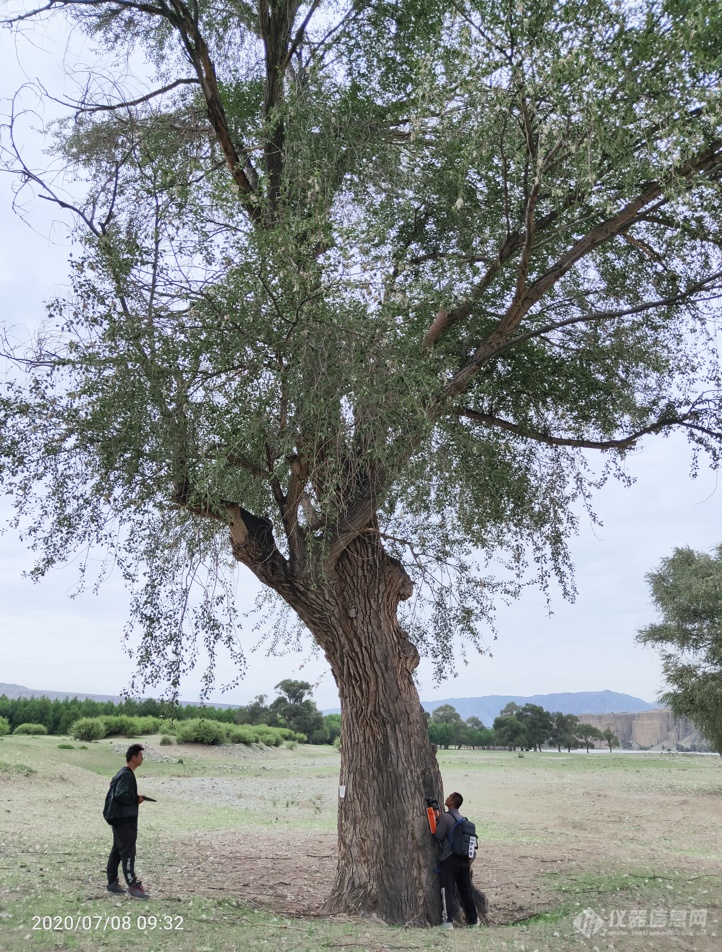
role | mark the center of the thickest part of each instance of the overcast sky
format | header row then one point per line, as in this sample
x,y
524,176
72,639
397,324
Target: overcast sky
x,y
53,642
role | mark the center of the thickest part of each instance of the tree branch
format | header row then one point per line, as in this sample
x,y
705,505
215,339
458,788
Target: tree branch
x,y
598,235
624,443
81,109
611,315
253,544
355,517
298,38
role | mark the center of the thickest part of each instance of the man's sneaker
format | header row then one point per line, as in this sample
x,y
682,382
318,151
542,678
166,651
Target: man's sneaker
x,y
446,925
137,891
115,888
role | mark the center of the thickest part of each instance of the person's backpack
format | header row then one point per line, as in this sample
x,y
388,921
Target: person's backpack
x,y
110,808
463,839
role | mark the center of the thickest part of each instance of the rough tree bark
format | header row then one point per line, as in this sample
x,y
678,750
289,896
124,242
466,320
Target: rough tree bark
x,y
388,764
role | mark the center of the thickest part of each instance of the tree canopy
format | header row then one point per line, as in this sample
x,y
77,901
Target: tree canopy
x,y
390,269
686,589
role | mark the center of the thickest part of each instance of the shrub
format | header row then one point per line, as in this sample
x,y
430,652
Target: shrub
x,y
124,725
262,734
30,729
4,726
66,747
269,736
165,740
197,731
287,734
241,734
148,724
23,769
88,728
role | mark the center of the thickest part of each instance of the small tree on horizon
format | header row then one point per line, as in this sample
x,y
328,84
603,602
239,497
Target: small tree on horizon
x,y
475,723
509,732
587,734
561,733
610,738
537,724
296,711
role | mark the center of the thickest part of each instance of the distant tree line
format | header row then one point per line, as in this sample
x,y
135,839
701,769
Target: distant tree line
x,y
447,729
293,708
528,728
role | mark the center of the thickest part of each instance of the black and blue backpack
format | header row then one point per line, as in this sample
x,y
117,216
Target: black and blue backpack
x,y
463,839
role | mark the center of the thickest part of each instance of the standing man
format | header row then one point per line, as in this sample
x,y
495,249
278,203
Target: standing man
x,y
121,811
455,870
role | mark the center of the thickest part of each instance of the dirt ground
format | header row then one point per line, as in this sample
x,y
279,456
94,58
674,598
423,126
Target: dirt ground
x,y
560,836
540,827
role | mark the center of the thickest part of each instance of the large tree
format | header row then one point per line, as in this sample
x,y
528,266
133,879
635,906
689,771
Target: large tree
x,y
687,591
359,286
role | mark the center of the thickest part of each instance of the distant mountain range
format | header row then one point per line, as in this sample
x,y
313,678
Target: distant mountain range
x,y
485,708
19,690
578,702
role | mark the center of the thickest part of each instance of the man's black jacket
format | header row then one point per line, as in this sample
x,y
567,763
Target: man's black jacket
x,y
121,804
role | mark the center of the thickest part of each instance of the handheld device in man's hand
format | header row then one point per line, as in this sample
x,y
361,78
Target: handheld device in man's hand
x,y
432,808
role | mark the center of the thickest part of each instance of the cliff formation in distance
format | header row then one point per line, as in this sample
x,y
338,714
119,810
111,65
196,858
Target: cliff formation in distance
x,y
649,730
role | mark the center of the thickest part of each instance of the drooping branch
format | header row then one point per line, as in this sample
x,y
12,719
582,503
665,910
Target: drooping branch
x,y
52,5
186,25
514,241
517,238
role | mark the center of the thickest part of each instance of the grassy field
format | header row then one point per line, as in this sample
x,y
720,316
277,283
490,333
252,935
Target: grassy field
x,y
599,851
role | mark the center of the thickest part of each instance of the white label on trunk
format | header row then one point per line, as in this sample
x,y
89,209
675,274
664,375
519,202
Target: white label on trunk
x,y
341,792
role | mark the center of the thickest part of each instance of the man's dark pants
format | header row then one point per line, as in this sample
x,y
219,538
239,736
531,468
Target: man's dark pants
x,y
124,837
456,871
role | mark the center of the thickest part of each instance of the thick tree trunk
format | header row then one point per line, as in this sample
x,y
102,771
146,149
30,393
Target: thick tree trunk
x,y
387,857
